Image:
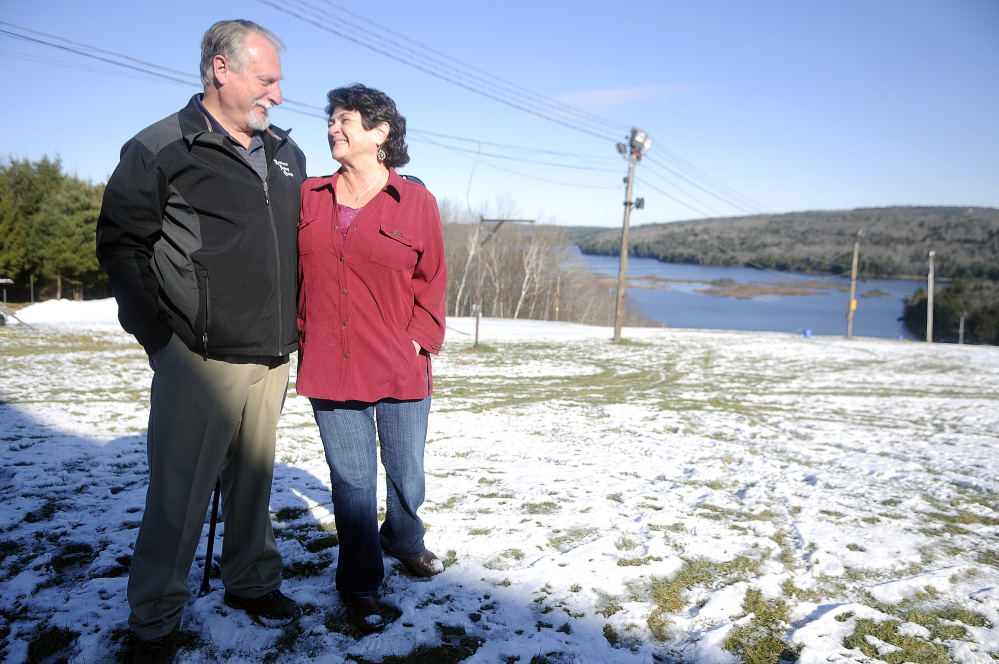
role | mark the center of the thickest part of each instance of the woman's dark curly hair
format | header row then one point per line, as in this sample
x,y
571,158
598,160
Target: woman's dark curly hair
x,y
375,108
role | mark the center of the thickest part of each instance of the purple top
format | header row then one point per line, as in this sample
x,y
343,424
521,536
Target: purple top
x,y
347,216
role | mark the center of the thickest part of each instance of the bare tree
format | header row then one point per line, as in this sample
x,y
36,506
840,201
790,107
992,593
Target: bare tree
x,y
523,270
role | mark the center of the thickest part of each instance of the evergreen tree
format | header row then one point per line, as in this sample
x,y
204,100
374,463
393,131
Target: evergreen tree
x,y
979,299
48,224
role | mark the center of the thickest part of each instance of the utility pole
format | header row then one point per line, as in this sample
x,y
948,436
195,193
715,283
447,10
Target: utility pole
x,y
478,263
960,333
558,295
853,286
929,301
639,144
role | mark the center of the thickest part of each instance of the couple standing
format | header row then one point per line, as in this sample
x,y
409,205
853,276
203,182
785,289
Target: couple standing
x,y
204,224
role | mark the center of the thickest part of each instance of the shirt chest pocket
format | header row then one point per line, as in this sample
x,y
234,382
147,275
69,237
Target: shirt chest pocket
x,y
394,248
308,236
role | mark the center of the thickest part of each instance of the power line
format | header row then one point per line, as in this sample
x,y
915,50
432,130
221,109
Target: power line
x,y
463,153
674,199
437,64
97,50
462,64
689,180
709,180
534,105
539,106
27,57
95,57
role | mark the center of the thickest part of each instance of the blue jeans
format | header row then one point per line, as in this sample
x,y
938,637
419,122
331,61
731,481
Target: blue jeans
x,y
348,432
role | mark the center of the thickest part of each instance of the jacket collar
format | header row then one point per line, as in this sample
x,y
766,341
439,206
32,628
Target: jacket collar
x,y
198,125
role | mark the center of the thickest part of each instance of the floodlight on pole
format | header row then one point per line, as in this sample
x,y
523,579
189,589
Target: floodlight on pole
x,y
639,144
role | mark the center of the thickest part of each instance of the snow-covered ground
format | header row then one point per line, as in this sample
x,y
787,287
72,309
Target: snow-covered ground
x,y
694,496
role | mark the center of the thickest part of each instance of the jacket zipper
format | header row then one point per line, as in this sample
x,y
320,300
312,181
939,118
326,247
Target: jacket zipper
x,y
208,312
277,265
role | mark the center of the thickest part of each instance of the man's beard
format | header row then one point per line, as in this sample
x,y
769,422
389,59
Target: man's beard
x,y
255,121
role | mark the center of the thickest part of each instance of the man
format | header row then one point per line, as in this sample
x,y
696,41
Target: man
x,y
197,234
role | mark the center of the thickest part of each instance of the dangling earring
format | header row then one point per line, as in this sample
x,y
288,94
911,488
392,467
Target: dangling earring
x,y
381,154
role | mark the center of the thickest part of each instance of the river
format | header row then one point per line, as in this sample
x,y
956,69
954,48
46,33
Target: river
x,y
823,311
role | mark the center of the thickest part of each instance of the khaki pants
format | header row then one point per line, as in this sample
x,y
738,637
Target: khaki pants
x,y
206,417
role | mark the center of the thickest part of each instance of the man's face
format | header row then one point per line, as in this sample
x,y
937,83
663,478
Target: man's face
x,y
247,95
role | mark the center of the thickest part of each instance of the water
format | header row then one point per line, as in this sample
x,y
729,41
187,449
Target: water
x,y
824,313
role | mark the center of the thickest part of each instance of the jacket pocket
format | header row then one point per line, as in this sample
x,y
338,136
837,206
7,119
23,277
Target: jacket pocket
x,y
203,320
393,248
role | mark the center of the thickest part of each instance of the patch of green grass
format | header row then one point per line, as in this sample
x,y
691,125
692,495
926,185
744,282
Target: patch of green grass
x,y
446,505
499,562
608,605
71,555
989,557
457,646
760,641
9,548
669,594
285,643
44,513
290,513
965,517
51,644
910,648
547,507
636,562
562,541
322,543
722,513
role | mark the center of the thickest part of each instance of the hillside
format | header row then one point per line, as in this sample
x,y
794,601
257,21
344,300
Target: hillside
x,y
896,241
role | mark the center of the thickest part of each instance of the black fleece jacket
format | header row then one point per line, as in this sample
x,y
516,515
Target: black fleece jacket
x,y
194,242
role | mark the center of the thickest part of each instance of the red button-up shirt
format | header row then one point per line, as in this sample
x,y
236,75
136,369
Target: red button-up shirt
x,y
364,300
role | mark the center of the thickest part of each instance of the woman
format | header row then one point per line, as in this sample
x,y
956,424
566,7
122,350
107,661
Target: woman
x,y
370,314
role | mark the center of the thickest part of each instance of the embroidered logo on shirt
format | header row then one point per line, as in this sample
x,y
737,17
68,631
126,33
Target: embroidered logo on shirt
x,y
283,165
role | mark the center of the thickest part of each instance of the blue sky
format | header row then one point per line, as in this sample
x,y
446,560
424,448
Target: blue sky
x,y
772,106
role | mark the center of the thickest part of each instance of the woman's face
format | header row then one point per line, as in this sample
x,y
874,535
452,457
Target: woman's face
x,y
349,140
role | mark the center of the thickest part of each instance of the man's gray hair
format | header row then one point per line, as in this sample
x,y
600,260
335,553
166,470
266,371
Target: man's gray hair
x,y
228,39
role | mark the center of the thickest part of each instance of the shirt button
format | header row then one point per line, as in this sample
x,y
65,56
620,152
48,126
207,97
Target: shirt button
x,y
341,259
336,228
344,291
346,355
345,323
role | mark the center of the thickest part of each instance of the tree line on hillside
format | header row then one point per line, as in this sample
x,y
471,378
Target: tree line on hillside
x,y
896,242
976,300
48,222
48,230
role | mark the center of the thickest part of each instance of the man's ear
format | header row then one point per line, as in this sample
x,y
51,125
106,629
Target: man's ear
x,y
221,69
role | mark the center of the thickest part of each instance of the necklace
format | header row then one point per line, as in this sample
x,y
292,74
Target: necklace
x,y
358,197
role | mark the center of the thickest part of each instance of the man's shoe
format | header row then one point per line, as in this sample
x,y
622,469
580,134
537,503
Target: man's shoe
x,y
425,566
364,612
271,610
161,650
